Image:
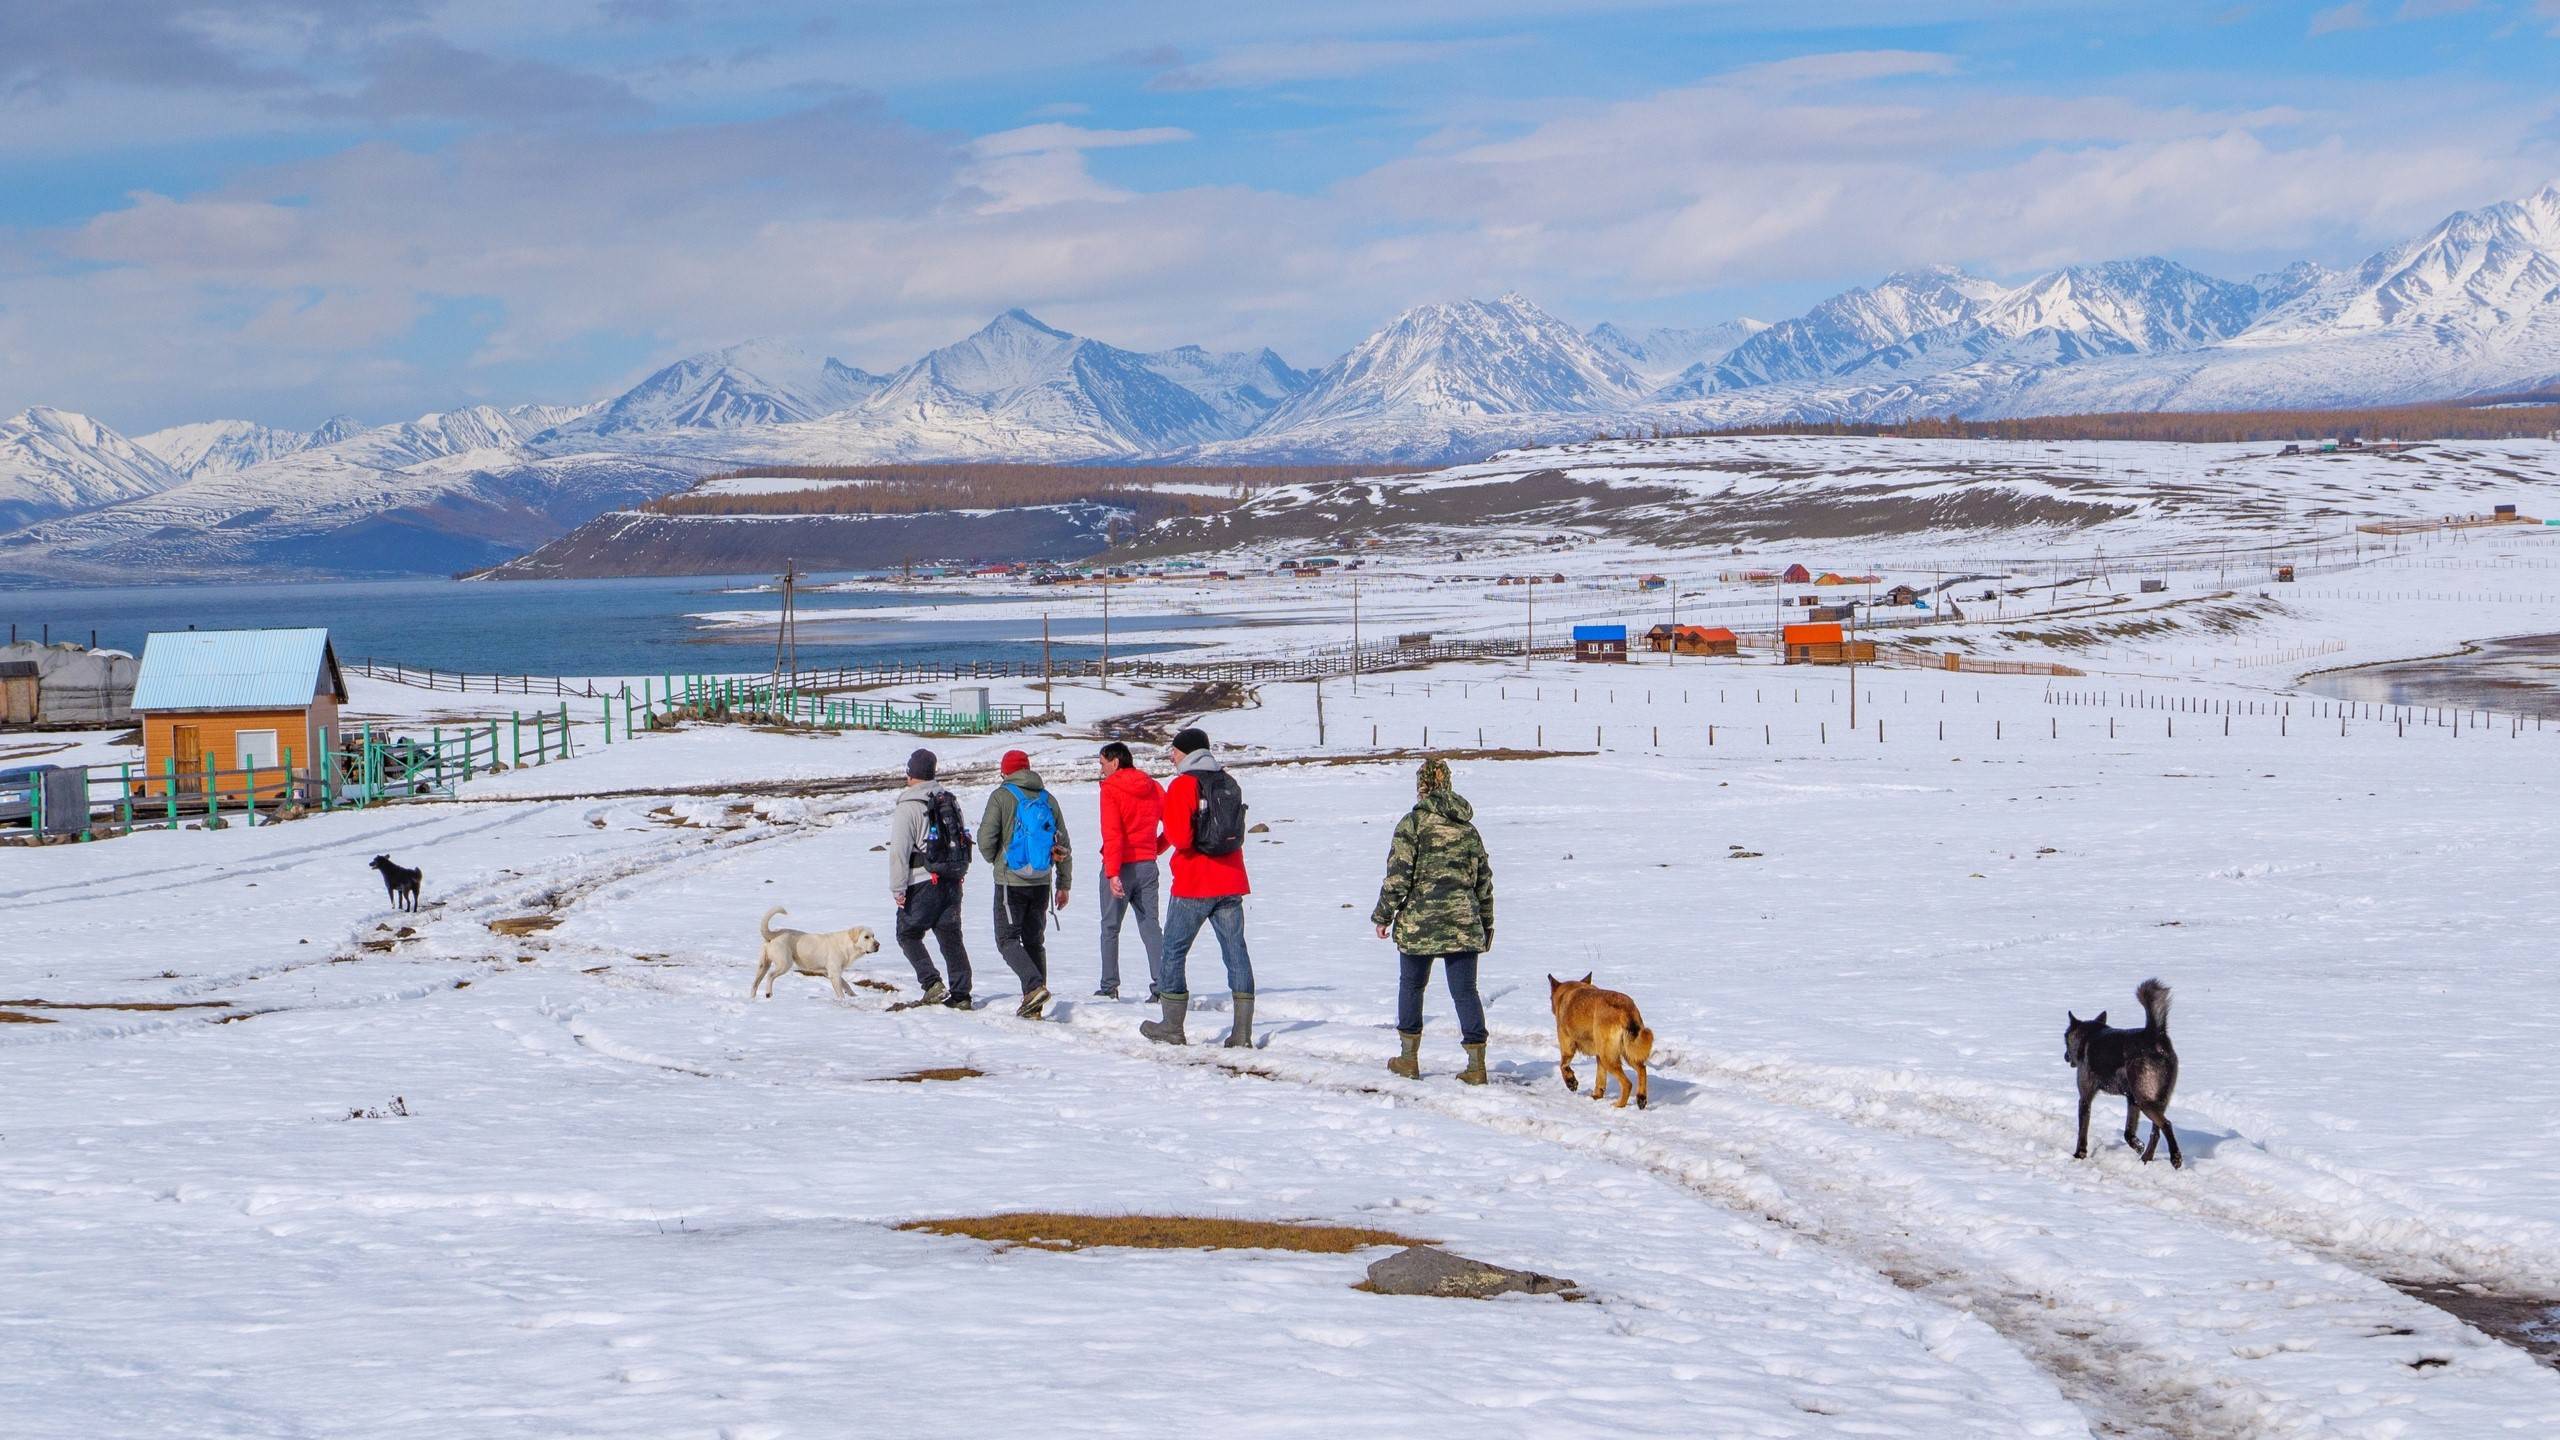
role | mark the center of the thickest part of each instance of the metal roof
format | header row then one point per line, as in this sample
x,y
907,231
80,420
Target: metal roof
x,y
1599,632
236,670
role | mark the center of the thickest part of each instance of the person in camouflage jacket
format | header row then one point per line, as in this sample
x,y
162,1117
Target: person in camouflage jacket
x,y
1437,904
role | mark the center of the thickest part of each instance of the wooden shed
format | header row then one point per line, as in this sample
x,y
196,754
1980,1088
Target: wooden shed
x,y
218,707
1824,643
1692,640
1602,643
1902,595
1795,575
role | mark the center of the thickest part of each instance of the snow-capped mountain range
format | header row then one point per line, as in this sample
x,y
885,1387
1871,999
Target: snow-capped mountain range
x,y
2472,307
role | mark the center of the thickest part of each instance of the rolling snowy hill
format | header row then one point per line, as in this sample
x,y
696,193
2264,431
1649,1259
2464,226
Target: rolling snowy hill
x,y
220,447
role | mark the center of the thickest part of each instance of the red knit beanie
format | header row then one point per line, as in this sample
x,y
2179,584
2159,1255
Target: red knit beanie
x,y
1013,760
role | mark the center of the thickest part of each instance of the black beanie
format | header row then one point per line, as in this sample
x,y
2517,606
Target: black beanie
x,y
920,765
1191,741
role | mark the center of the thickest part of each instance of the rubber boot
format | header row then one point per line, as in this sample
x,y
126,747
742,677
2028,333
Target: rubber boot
x,y
1409,1064
1241,1038
1474,1073
1168,1031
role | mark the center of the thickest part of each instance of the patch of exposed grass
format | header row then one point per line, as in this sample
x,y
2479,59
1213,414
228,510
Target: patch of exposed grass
x,y
935,1072
120,1004
1044,1230
12,1017
524,924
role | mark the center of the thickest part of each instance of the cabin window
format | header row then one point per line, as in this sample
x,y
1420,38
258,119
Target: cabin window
x,y
258,748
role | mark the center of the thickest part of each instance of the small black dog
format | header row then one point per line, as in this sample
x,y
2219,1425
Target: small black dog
x,y
401,883
2140,1065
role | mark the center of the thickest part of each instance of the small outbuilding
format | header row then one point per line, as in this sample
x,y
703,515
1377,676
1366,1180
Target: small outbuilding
x,y
1600,643
1692,640
218,706
1902,595
1796,575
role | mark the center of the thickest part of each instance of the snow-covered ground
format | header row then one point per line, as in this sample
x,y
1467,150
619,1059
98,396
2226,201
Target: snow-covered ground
x,y
624,1199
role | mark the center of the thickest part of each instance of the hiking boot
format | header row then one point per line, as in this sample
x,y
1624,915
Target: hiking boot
x,y
1168,1031
958,1002
1106,992
1033,1003
1474,1073
1409,1064
1241,1038
934,994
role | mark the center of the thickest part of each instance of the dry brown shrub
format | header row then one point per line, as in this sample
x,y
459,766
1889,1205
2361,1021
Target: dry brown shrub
x,y
934,1072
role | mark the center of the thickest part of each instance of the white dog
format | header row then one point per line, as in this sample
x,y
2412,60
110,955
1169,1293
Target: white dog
x,y
828,954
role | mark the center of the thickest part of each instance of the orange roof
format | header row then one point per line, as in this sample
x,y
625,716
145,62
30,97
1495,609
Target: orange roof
x,y
1823,634
1705,632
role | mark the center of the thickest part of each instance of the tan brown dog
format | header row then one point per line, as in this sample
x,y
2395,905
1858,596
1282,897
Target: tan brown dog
x,y
1606,1026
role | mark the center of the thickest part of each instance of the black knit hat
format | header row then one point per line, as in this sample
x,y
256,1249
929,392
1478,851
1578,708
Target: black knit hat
x,y
920,765
1191,741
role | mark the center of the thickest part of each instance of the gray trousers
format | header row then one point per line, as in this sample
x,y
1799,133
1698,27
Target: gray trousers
x,y
1145,888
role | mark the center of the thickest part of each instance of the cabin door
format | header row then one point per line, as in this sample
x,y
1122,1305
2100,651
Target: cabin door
x,y
186,746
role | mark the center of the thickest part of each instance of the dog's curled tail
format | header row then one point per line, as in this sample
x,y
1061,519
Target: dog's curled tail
x,y
1639,1048
764,926
2155,1006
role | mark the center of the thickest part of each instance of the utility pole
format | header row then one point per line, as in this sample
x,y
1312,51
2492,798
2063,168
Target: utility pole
x,y
1048,691
786,636
1319,712
1106,632
1529,646
1355,634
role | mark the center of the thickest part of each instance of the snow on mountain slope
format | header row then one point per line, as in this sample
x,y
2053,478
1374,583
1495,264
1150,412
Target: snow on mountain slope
x,y
1244,388
221,446
755,383
1844,329
1659,353
53,462
1019,389
1468,357
2121,307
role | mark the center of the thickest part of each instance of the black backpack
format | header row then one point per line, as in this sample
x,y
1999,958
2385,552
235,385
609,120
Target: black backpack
x,y
1217,819
945,849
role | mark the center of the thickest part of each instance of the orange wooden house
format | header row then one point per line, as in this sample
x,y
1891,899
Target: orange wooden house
x,y
1824,643
230,712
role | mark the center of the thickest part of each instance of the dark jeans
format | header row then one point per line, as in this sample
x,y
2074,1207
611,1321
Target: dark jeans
x,y
1140,879
944,927
1022,932
1415,974
1224,915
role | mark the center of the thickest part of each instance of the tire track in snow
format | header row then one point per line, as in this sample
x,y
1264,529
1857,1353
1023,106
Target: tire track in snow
x,y
2118,1311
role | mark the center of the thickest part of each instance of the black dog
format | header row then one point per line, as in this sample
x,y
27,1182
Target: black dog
x,y
2140,1065
402,884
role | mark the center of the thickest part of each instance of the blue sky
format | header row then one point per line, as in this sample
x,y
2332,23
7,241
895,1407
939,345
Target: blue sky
x,y
285,209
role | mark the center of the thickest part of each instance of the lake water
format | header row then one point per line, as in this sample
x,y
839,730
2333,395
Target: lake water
x,y
2519,676
548,627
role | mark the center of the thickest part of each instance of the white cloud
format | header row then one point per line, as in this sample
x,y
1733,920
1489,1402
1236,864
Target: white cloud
x,y
1258,66
1037,139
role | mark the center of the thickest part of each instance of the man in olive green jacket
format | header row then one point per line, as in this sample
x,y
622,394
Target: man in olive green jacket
x,y
1437,903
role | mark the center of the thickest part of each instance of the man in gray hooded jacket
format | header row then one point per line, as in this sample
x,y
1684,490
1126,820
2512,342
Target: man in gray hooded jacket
x,y
928,897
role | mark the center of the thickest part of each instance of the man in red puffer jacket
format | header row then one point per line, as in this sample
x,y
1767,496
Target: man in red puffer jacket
x,y
1132,838
1208,889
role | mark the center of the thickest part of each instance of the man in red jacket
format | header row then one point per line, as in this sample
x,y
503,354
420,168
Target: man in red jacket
x,y
1207,890
1132,838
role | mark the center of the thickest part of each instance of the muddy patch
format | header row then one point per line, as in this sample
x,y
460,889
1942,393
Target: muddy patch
x,y
1040,1230
524,924
133,1005
2530,1323
932,1074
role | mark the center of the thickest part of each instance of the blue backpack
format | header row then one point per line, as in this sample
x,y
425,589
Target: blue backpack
x,y
1033,848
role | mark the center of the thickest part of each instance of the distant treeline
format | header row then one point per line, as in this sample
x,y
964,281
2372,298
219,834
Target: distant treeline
x,y
909,489
2492,418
